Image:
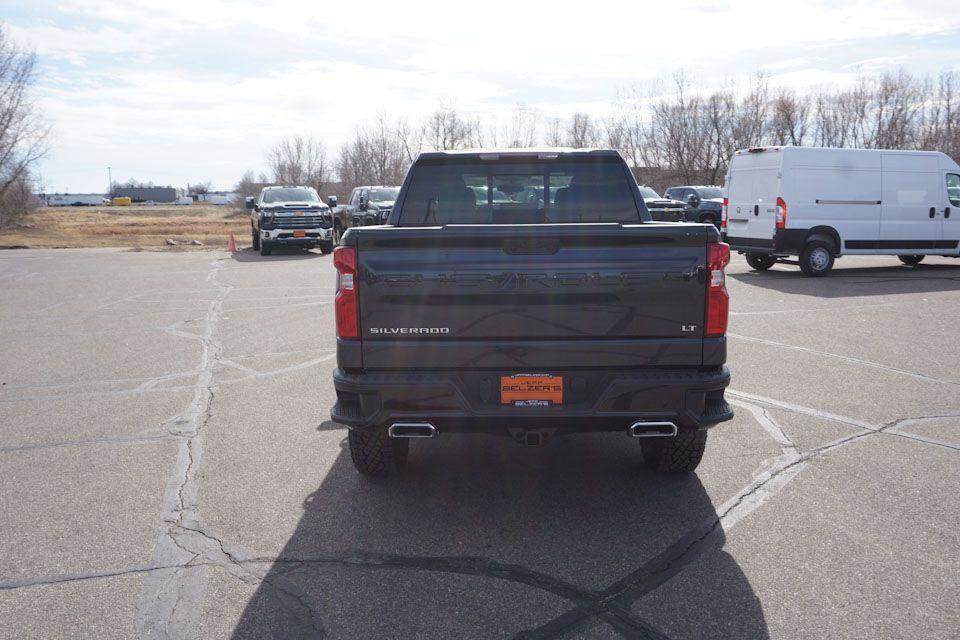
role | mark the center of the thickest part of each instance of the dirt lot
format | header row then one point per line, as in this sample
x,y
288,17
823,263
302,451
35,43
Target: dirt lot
x,y
138,226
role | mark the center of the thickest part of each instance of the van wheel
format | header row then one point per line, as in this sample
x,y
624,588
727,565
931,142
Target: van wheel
x,y
760,261
255,239
817,258
374,453
911,260
677,454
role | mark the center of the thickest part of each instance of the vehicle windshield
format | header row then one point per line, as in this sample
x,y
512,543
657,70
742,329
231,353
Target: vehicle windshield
x,y
472,191
710,193
290,194
388,194
648,193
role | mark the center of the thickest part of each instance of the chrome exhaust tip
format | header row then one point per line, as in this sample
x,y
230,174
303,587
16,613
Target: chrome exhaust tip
x,y
412,430
644,429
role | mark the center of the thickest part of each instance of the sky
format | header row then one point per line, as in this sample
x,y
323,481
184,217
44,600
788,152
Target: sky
x,y
174,92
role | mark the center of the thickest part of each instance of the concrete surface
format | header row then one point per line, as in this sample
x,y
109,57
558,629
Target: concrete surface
x,y
168,470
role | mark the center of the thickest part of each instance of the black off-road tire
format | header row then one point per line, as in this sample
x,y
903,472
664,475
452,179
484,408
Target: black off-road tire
x,y
709,219
678,454
337,231
254,239
911,260
816,259
326,247
374,453
265,248
761,261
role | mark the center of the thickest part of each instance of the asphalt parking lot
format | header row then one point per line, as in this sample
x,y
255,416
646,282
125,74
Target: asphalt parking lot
x,y
168,470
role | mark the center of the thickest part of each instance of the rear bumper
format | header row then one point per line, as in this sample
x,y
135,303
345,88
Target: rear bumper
x,y
593,400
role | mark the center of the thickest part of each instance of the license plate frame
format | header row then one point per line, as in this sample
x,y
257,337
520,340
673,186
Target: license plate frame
x,y
299,233
531,390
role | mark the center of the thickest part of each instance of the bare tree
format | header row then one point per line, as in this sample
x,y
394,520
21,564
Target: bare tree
x,y
199,188
582,132
300,161
445,129
23,133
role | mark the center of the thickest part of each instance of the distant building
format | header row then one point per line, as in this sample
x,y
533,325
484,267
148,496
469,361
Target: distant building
x,y
216,197
145,194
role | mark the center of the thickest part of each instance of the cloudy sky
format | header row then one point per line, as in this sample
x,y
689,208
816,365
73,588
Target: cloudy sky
x,y
171,91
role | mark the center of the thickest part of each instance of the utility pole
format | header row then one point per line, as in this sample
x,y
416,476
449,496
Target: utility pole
x,y
109,183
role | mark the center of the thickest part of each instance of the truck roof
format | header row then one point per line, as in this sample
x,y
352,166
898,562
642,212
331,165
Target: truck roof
x,y
494,153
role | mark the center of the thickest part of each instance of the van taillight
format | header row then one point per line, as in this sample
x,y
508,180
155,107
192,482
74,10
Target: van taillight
x,y
781,214
718,300
723,214
345,303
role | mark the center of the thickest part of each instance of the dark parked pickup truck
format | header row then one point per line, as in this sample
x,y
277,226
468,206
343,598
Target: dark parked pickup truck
x,y
478,308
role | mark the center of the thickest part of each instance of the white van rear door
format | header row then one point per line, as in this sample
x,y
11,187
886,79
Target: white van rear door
x,y
912,201
754,180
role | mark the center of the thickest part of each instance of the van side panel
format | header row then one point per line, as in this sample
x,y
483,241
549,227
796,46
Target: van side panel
x,y
911,201
835,188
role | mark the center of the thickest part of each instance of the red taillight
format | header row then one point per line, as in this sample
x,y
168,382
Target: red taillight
x,y
723,215
781,214
718,301
345,260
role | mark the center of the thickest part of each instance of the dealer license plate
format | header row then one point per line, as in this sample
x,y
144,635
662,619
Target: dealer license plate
x,y
531,390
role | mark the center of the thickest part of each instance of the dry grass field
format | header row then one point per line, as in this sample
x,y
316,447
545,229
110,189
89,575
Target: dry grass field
x,y
137,226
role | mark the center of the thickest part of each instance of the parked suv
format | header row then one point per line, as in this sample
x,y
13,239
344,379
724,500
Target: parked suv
x,y
289,217
367,206
704,204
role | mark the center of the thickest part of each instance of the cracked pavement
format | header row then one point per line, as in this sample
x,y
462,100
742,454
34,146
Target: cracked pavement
x,y
169,471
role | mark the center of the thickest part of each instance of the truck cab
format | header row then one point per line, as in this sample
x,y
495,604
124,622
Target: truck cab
x,y
366,206
289,217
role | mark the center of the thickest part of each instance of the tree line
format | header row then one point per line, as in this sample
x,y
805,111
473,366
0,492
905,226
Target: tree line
x,y
669,132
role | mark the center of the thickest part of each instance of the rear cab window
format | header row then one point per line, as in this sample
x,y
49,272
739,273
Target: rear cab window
x,y
470,190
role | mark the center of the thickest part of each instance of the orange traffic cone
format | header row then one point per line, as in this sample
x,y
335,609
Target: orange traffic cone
x,y
231,243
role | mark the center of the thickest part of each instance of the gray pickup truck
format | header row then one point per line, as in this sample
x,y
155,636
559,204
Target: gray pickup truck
x,y
366,206
479,308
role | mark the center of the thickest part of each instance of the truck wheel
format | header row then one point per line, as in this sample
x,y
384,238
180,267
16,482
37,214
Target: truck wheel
x,y
265,249
817,258
911,260
678,454
255,239
708,220
374,453
337,232
760,261
326,247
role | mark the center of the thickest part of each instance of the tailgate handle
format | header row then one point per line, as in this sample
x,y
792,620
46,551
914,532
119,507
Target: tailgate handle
x,y
756,209
531,246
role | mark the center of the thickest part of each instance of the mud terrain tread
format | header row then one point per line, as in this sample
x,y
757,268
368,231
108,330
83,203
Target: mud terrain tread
x,y
679,454
374,453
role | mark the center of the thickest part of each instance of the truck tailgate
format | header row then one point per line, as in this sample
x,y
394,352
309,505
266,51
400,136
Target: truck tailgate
x,y
532,297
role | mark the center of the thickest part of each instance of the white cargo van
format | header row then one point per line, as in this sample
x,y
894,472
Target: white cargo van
x,y
819,204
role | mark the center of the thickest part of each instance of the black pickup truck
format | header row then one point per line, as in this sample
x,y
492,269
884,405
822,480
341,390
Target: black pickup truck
x,y
478,308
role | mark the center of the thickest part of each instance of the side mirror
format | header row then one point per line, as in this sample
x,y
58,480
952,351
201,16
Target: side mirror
x,y
332,201
693,200
248,203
